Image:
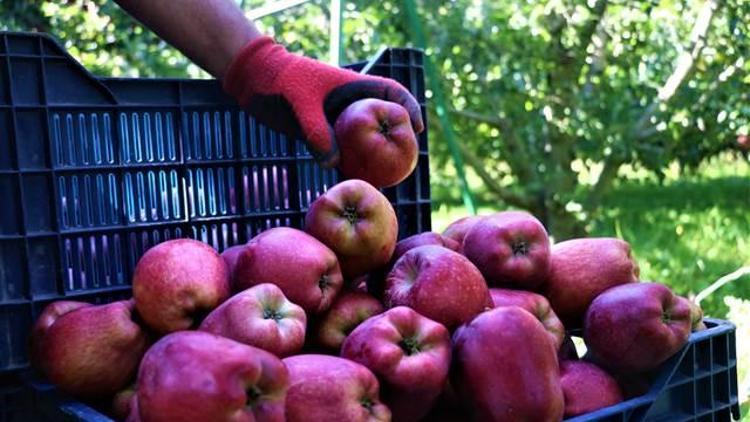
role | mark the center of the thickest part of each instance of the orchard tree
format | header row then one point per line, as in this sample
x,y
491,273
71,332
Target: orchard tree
x,y
549,99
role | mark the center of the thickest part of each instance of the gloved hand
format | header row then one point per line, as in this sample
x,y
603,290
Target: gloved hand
x,y
303,97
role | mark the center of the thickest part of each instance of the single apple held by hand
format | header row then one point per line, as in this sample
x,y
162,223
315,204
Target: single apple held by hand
x,y
635,327
92,351
328,388
537,305
587,388
306,270
376,142
505,368
178,282
438,283
358,223
409,353
198,376
581,269
510,248
260,316
349,310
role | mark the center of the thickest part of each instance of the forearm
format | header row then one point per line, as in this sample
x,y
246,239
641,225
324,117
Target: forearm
x,y
208,32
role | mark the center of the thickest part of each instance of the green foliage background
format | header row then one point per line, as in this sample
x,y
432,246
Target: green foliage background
x,y
556,105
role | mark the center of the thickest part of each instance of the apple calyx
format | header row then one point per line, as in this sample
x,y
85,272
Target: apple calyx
x,y
273,314
367,403
385,127
410,345
666,317
350,213
520,247
253,396
324,282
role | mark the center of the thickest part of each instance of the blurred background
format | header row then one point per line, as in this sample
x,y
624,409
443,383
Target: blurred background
x,y
604,118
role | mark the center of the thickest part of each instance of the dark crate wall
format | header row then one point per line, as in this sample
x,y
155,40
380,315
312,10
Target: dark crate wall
x,y
94,171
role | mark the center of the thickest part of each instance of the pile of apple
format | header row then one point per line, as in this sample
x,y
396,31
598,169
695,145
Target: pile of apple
x,y
340,322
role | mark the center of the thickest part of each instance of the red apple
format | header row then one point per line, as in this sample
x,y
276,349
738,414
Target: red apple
x,y
587,388
510,248
358,223
438,283
505,368
178,282
328,388
635,327
92,351
49,315
423,239
304,269
376,142
347,312
260,316
457,230
409,353
230,256
581,269
376,279
537,305
122,403
198,376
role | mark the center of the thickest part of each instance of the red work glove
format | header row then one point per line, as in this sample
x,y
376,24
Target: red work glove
x,y
303,97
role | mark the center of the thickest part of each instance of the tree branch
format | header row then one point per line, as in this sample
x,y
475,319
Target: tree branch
x,y
504,194
608,174
684,64
591,28
514,145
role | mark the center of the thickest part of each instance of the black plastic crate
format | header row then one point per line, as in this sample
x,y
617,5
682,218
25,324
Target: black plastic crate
x,y
93,171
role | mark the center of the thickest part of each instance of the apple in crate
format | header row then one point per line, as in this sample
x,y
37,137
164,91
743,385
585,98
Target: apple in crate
x,y
510,248
349,310
409,353
198,376
635,327
505,368
376,279
178,282
260,316
587,388
376,142
438,283
329,388
581,269
90,351
537,305
306,270
457,230
358,223
230,256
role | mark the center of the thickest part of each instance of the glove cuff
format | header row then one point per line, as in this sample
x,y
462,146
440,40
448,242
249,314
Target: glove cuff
x,y
254,69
